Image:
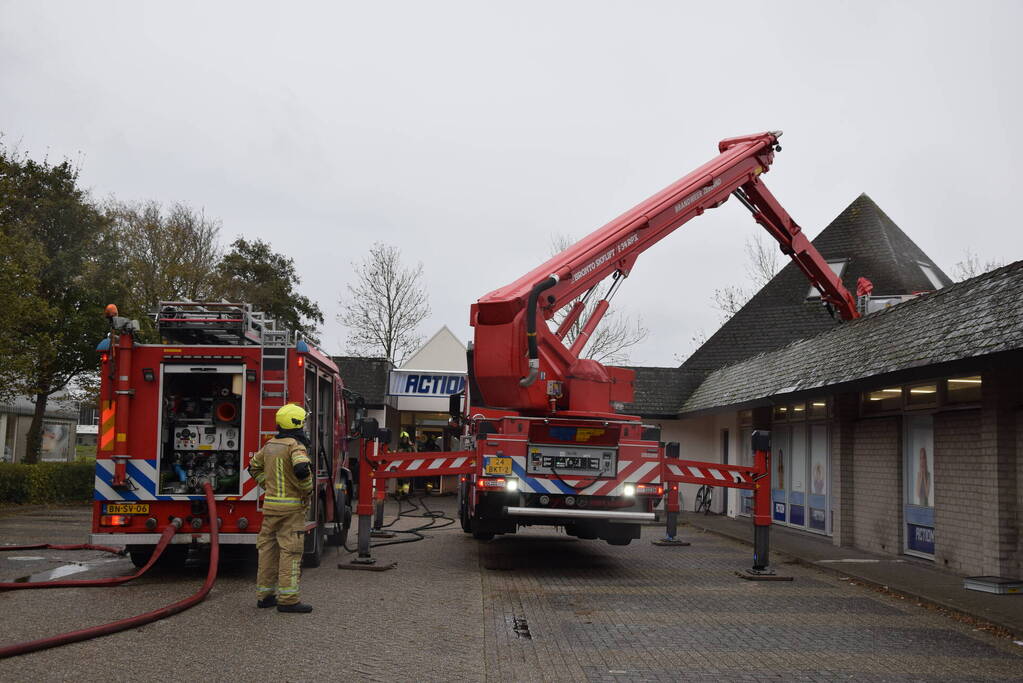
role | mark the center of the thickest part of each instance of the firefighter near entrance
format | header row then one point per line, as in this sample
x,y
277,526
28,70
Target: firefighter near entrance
x,y
282,468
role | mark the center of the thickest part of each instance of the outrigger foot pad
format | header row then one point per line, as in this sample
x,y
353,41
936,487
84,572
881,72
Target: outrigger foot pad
x,y
762,575
670,542
367,566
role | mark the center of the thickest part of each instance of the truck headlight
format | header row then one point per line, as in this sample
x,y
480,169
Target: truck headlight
x,y
511,485
629,490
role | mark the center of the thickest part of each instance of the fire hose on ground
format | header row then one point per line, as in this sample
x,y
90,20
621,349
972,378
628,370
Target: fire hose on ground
x,y
131,622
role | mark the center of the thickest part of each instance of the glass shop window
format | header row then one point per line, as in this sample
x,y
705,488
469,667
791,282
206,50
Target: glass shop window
x,y
964,389
797,411
881,400
922,395
781,413
817,409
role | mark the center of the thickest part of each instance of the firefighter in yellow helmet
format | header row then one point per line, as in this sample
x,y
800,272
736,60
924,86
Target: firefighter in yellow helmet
x,y
283,469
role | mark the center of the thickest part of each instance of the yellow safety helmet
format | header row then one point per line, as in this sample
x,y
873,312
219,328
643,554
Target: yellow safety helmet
x,y
404,434
291,416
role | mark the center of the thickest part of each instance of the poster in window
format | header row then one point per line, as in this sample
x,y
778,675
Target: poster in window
x,y
920,461
818,477
54,445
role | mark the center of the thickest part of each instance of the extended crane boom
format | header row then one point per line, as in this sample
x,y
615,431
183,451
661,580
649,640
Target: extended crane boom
x,y
513,345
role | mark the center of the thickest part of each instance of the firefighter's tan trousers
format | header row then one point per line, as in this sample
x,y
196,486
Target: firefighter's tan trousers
x,y
280,543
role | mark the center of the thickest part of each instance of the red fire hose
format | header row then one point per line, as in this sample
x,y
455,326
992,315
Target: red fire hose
x,y
131,622
165,538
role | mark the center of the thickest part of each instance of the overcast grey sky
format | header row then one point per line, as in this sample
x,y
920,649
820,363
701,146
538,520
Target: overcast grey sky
x,y
467,133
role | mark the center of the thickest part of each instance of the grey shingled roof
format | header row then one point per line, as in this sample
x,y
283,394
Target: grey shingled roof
x,y
658,391
780,313
974,318
365,376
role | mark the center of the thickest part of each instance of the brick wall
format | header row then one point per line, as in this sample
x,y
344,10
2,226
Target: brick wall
x,y
843,488
1000,399
1019,495
961,481
877,495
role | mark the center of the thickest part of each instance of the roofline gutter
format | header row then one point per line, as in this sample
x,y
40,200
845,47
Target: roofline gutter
x,y
903,376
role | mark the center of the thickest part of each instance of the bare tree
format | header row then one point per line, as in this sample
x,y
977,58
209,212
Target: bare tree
x,y
697,339
170,254
385,306
762,264
971,266
616,334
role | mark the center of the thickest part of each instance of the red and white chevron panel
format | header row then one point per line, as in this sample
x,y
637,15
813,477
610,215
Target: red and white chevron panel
x,y
419,466
709,473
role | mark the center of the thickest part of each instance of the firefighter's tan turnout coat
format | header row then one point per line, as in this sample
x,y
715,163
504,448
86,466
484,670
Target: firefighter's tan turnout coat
x,y
281,537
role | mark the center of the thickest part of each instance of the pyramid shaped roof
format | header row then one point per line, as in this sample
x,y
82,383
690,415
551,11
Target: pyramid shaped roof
x,y
871,244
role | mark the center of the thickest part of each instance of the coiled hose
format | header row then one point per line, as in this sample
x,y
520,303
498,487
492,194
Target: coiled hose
x,y
131,622
433,515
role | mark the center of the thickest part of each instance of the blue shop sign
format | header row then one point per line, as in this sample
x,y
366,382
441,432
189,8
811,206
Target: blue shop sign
x,y
425,384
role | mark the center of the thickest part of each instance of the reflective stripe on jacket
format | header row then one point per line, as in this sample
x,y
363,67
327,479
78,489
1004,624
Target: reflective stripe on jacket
x,y
273,468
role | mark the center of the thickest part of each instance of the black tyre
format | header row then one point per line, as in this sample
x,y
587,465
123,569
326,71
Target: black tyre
x,y
463,509
172,557
619,541
479,532
343,514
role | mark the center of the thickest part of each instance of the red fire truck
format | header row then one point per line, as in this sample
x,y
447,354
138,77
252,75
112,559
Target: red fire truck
x,y
551,445
194,409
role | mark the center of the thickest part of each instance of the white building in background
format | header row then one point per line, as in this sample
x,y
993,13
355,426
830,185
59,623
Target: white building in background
x,y
414,397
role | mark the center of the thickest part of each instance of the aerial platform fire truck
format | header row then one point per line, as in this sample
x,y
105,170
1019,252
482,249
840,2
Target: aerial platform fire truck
x,y
193,410
550,444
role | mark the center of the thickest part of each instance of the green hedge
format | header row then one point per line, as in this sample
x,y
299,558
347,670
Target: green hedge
x,y
46,482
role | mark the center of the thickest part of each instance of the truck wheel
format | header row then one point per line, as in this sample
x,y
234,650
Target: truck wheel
x,y
463,510
314,547
478,533
173,556
619,541
343,517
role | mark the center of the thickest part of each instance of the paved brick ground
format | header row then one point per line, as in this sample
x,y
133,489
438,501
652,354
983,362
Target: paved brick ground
x,y
530,607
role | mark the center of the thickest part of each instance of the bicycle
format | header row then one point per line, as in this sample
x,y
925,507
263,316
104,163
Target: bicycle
x,y
703,499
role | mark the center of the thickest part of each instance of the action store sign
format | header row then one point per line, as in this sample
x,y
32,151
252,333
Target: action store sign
x,y
425,384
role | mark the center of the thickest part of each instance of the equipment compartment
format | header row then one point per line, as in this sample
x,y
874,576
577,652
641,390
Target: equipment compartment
x,y
201,429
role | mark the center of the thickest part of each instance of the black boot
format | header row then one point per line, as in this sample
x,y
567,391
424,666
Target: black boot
x,y
268,601
299,607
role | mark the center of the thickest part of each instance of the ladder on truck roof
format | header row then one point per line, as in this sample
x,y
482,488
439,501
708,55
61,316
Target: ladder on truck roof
x,y
218,323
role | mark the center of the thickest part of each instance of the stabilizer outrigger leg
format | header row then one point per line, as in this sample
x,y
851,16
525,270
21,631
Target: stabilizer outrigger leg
x,y
671,525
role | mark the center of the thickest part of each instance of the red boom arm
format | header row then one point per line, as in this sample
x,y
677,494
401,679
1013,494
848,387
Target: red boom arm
x,y
514,347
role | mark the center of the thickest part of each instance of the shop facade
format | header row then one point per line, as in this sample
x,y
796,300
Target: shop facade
x,y
899,433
